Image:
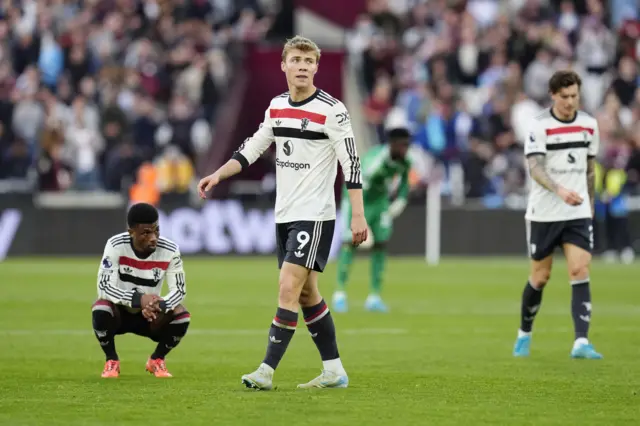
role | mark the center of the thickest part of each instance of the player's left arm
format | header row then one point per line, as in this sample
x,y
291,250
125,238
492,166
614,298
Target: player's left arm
x,y
338,127
594,146
176,282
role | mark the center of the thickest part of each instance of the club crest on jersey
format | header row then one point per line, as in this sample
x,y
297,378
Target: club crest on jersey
x,y
304,123
157,273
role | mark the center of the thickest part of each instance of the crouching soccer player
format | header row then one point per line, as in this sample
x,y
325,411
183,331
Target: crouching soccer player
x,y
381,165
133,268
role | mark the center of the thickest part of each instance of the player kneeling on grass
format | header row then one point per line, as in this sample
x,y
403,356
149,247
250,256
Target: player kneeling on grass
x,y
380,166
561,150
133,268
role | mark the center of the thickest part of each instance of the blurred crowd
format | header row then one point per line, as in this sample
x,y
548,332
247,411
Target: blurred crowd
x,y
468,75
98,94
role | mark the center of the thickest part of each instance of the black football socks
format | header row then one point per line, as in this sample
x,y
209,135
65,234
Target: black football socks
x,y
280,334
531,300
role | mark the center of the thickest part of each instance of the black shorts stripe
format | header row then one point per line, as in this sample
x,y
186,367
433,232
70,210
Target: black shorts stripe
x,y
288,132
567,145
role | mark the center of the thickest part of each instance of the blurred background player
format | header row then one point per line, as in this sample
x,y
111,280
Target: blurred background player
x,y
612,231
561,149
312,132
133,267
385,172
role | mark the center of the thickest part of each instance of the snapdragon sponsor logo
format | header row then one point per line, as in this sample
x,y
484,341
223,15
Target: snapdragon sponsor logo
x,y
292,165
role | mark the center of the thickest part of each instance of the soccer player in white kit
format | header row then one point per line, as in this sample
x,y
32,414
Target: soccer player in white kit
x,y
312,132
560,150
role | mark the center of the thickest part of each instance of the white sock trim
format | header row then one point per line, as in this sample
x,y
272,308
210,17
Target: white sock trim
x,y
267,369
582,281
523,333
335,366
580,341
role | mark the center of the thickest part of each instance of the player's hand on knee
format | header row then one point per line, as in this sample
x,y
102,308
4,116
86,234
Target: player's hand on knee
x,y
150,306
149,313
359,230
570,197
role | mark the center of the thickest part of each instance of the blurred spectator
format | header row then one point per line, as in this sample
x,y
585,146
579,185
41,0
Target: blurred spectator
x,y
470,75
53,173
90,90
84,146
175,171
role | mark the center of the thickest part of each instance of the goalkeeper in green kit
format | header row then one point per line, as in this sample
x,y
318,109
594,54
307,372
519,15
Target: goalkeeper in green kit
x,y
381,166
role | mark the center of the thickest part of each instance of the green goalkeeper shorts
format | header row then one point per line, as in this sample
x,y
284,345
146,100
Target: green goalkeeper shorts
x,y
377,217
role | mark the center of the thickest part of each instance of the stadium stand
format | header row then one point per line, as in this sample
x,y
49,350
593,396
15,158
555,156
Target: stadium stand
x,y
91,91
469,74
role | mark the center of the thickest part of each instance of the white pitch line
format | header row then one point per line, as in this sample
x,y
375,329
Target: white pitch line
x,y
205,332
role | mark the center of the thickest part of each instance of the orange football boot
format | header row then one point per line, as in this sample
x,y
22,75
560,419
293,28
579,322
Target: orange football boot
x,y
111,369
158,368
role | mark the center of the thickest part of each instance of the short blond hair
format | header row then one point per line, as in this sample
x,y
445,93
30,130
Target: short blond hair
x,y
301,43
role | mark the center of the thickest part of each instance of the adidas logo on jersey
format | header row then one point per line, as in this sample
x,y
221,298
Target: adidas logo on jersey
x,y
298,254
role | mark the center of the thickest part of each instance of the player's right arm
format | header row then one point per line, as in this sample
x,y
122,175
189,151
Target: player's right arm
x,y
535,149
250,150
108,276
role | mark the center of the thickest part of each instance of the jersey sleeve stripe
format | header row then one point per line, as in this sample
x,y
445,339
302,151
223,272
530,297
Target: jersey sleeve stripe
x,y
328,97
354,173
168,243
297,114
120,240
167,246
325,98
530,154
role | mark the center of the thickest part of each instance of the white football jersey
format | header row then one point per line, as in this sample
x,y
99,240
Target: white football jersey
x,y
311,136
567,146
122,273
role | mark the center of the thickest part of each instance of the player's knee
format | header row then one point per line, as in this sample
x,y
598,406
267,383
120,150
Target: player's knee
x,y
102,315
309,297
540,278
579,271
105,306
180,321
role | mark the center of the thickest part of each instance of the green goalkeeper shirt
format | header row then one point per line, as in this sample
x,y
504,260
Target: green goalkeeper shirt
x,y
378,173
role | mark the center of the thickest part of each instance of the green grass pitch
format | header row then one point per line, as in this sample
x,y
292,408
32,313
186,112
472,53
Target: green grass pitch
x,y
442,356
